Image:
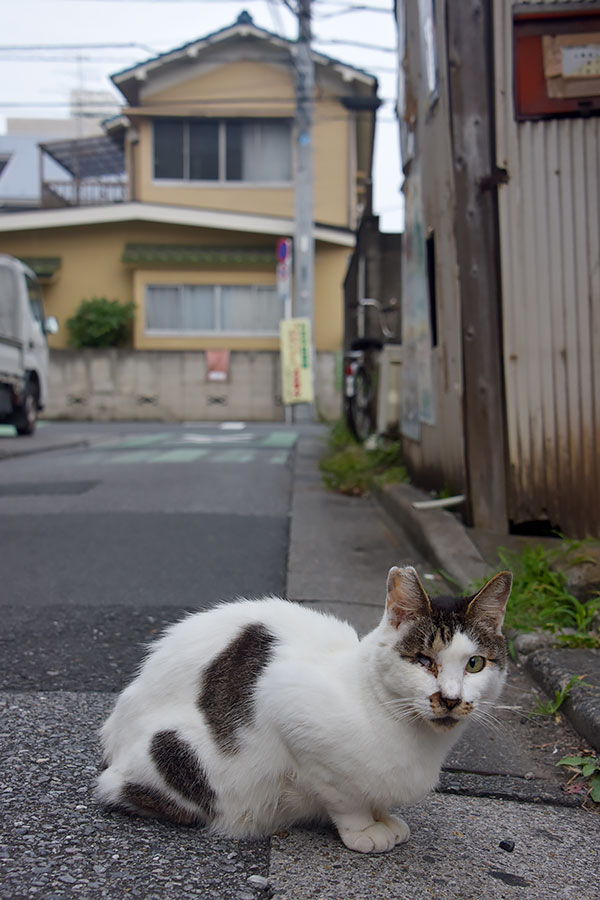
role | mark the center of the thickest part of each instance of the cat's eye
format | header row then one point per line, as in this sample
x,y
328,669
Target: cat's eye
x,y
475,664
425,661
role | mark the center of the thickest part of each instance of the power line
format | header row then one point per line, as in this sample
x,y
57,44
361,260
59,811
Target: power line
x,y
360,44
345,4
5,48
352,9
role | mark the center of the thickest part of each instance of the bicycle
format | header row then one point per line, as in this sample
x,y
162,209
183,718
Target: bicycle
x,y
360,375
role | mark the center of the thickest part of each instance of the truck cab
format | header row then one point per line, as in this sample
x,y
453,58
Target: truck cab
x,y
23,346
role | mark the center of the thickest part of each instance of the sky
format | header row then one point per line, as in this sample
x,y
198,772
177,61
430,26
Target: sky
x,y
36,79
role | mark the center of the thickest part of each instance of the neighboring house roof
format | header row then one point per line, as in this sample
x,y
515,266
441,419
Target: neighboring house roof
x,y
129,80
20,176
172,215
90,157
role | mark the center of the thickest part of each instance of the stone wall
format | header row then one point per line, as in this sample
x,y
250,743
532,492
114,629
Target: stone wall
x,y
165,385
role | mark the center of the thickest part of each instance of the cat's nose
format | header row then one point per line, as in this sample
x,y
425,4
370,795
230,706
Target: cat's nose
x,y
450,702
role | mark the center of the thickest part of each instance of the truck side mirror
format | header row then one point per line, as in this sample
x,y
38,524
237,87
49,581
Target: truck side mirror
x,y
50,325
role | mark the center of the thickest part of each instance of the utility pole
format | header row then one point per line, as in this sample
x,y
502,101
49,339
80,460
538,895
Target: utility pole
x,y
304,250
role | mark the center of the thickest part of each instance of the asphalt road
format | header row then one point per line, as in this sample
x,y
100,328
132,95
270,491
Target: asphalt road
x,y
102,546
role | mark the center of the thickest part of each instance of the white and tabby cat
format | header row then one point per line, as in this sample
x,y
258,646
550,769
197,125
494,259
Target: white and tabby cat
x,y
260,714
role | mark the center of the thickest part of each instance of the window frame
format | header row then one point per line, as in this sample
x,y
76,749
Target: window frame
x,y
222,180
217,301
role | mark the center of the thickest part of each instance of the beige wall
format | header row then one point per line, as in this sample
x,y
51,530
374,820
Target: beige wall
x,y
330,269
169,386
91,267
255,85
245,86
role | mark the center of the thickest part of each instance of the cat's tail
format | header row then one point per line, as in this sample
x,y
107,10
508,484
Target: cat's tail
x,y
116,792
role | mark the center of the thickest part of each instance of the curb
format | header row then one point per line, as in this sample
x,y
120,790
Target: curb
x,y
437,533
32,449
553,668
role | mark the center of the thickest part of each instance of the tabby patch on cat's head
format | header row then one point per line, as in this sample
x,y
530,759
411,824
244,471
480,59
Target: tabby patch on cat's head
x,y
407,601
448,641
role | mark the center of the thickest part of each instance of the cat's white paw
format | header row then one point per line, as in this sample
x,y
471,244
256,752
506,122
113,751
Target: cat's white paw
x,y
375,838
398,826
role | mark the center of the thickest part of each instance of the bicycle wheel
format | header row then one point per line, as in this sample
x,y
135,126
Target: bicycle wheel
x,y
360,406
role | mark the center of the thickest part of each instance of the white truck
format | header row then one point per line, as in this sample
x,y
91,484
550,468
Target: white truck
x,y
23,346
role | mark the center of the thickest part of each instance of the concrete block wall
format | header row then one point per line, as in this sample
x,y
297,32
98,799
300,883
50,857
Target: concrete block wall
x,y
167,385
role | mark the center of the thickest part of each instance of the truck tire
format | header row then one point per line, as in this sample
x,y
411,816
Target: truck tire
x,y
25,418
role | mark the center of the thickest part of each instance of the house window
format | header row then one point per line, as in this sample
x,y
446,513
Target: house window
x,y
253,150
212,308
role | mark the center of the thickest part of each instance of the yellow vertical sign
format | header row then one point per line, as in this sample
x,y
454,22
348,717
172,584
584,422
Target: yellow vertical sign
x,y
296,361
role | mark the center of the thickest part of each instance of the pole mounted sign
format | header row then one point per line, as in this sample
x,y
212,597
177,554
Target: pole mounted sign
x,y
284,275
296,361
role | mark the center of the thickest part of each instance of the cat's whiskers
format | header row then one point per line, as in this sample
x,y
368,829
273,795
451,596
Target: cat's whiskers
x,y
485,718
401,709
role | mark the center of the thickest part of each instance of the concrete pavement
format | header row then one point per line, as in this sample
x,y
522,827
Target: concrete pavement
x,y
497,786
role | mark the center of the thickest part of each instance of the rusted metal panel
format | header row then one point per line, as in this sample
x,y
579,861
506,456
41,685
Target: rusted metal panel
x,y
549,217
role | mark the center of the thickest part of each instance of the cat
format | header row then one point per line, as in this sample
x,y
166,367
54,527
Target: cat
x,y
260,714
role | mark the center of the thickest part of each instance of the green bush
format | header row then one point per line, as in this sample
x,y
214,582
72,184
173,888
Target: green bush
x,y
101,323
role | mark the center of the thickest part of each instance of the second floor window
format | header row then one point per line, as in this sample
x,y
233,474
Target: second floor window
x,y
252,150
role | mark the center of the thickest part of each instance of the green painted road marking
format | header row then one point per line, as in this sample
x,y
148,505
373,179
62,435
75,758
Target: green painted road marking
x,y
7,431
234,455
134,456
279,439
139,441
278,459
179,456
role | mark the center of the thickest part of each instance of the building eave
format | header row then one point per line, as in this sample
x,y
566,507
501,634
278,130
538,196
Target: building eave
x,y
116,213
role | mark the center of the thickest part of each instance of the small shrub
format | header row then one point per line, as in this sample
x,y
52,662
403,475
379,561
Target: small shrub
x,y
101,323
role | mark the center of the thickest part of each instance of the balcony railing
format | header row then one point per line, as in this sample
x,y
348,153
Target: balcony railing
x,y
86,192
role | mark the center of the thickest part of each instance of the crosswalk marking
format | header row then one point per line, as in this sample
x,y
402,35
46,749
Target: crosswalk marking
x,y
178,456
234,455
166,447
279,439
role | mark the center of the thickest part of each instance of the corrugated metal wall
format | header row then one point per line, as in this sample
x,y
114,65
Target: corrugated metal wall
x,y
550,262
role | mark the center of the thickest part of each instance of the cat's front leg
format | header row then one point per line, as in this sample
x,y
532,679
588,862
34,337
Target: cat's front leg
x,y
365,834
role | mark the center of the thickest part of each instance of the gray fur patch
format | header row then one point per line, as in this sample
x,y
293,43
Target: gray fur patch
x,y
148,801
179,766
227,692
430,633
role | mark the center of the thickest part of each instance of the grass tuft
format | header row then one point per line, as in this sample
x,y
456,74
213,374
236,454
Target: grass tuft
x,y
540,598
352,468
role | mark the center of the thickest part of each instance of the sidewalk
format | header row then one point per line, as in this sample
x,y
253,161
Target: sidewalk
x,y
500,785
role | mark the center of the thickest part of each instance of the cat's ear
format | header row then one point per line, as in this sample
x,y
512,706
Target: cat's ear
x,y
489,605
406,597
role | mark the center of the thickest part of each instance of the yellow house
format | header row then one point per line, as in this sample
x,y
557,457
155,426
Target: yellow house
x,y
207,139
